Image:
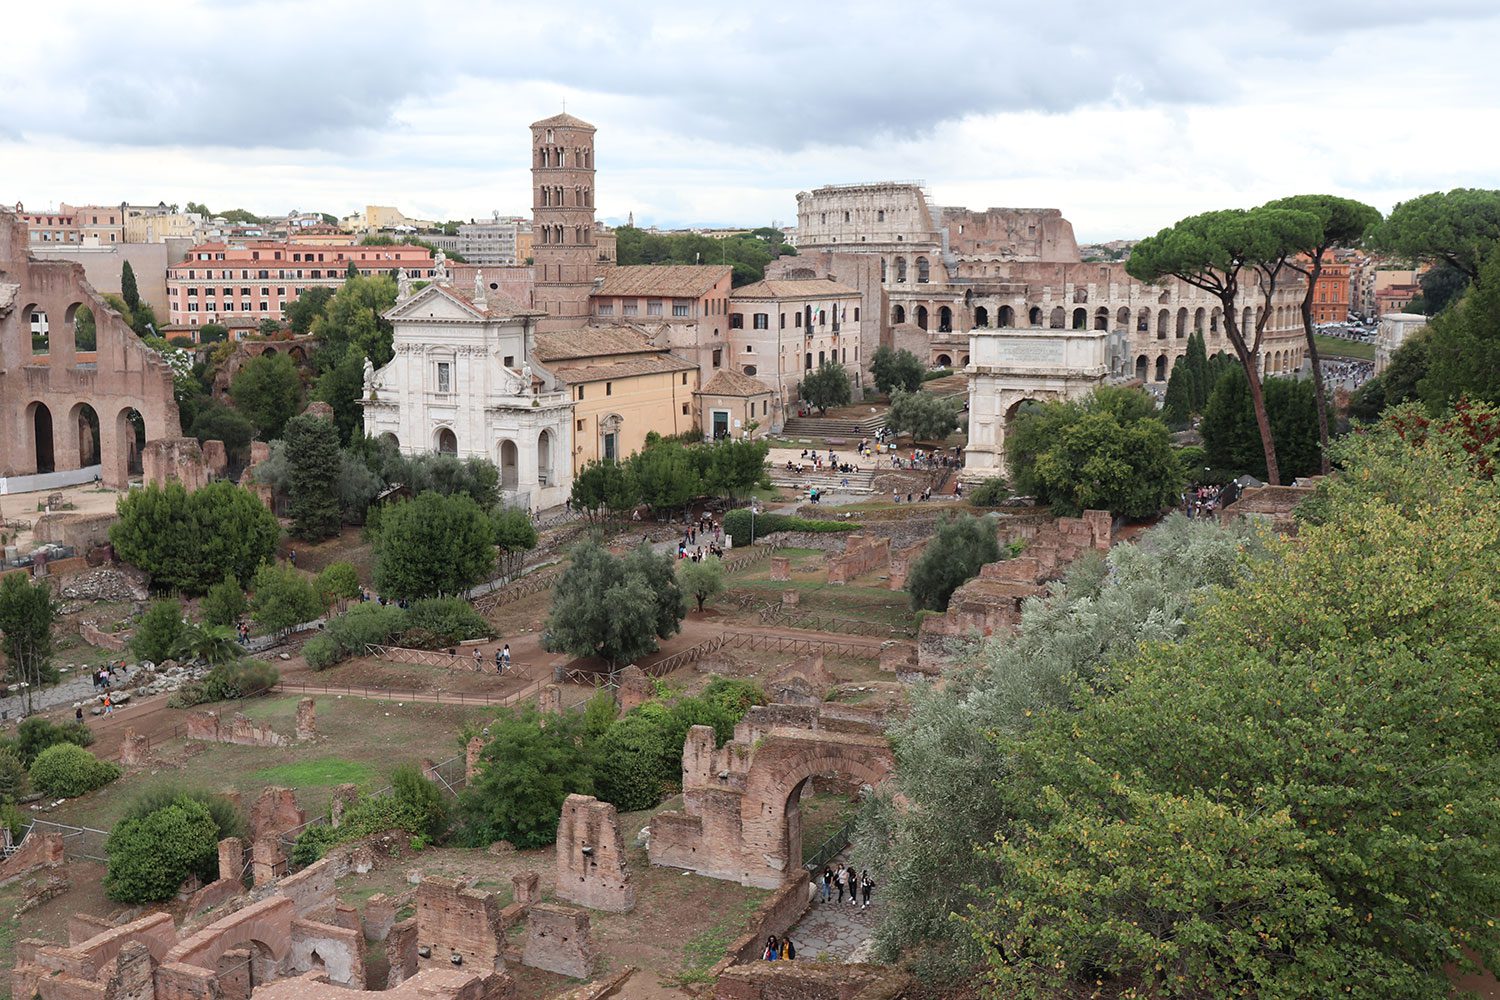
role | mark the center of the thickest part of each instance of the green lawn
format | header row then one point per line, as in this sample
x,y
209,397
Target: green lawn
x,y
317,772
1335,347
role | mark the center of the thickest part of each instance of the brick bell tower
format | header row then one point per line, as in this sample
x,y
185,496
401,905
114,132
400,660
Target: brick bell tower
x,y
562,213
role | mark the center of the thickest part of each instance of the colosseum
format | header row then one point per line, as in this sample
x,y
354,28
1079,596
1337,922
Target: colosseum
x,y
935,273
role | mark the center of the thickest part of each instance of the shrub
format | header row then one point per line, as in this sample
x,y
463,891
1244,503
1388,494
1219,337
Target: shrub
x,y
442,621
283,598
320,652
961,547
224,602
993,492
36,734
13,820
349,633
68,770
13,781
227,819
152,855
159,632
422,797
635,759
228,681
339,580
189,540
414,805
737,525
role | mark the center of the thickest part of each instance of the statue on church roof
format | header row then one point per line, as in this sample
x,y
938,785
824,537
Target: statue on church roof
x,y
403,285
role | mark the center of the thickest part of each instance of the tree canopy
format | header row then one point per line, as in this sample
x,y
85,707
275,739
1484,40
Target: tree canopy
x,y
187,541
1230,440
1459,227
312,451
432,545
892,369
923,415
748,254
962,545
614,607
827,386
268,391
1463,345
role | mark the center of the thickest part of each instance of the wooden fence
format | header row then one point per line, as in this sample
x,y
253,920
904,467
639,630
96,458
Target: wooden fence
x,y
532,583
798,644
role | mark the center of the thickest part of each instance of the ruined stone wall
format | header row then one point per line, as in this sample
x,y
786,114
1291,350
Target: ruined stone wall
x,y
812,981
559,939
241,730
591,865
863,553
1023,234
453,919
122,374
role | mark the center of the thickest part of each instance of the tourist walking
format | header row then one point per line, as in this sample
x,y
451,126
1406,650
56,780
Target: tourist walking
x,y
866,885
499,663
788,950
773,949
109,705
827,882
78,715
505,658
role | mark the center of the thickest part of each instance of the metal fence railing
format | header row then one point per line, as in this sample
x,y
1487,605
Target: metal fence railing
x,y
832,846
79,842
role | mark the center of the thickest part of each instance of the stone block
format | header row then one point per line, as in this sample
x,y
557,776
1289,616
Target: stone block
x,y
307,720
635,688
135,749
591,865
549,700
559,939
268,860
526,888
275,812
791,598
453,919
380,917
781,568
231,858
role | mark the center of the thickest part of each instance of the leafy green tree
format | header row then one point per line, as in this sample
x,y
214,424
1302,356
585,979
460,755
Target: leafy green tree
x,y
1404,375
747,255
962,545
950,776
1442,285
420,795
924,416
1107,452
128,290
432,545
894,370
224,602
150,857
1233,255
1344,223
635,759
282,598
14,782
312,451
728,467
701,580
1458,227
514,535
604,487
217,422
308,307
36,734
599,714
1177,409
342,387
828,386
268,391
1463,345
1228,427
666,475
526,771
213,333
1197,363
85,330
434,622
1366,402
187,541
159,632
612,607
1286,801
27,612
339,581
352,322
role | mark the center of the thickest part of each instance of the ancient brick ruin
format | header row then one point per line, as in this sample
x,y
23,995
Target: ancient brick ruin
x,y
804,681
559,939
55,394
635,688
307,720
863,553
741,818
453,919
591,865
240,730
811,981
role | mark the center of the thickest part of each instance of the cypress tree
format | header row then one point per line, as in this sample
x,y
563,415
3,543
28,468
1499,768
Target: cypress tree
x,y
128,290
312,450
1177,410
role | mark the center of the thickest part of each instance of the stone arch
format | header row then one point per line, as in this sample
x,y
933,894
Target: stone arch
x,y
945,319
1122,318
1057,319
900,270
510,458
965,361
39,423
1163,320
1081,295
944,361
544,457
70,323
1161,368
883,270
1006,317
1101,318
40,325
924,270
1080,319
1213,320
1246,330
921,317
86,419
1182,321
387,438
1198,320
130,432
1142,365
1034,316
981,317
1143,321
445,442
898,313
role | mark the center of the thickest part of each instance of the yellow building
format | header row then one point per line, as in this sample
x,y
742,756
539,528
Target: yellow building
x,y
623,387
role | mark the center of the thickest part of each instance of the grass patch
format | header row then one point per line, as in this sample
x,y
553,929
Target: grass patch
x,y
704,949
316,773
1337,347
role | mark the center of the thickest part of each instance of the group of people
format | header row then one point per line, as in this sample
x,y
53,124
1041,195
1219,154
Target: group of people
x,y
927,458
1202,501
1349,374
502,660
844,879
779,948
691,546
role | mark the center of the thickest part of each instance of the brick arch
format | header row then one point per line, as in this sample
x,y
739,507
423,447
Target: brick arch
x,y
266,925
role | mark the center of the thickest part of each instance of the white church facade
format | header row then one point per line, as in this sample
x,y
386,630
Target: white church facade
x,y
465,381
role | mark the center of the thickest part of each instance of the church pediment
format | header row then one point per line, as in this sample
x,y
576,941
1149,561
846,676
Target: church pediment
x,y
433,304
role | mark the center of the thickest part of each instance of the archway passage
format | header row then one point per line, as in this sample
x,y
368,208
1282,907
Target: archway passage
x,y
41,431
87,422
447,442
740,819
509,465
544,457
130,432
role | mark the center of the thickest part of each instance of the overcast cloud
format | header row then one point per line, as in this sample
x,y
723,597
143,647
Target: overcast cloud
x,y
1126,116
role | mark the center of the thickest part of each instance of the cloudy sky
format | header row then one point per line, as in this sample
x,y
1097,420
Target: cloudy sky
x,y
1127,116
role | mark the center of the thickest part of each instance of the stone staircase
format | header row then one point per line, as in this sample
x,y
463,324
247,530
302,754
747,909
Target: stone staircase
x,y
826,481
816,428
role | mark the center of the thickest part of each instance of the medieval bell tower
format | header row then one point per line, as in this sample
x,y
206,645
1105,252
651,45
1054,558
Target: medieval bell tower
x,y
562,211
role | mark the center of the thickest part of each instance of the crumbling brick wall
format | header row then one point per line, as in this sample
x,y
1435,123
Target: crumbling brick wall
x,y
863,553
454,919
591,865
559,939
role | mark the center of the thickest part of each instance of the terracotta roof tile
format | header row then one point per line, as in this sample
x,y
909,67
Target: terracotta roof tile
x,y
592,342
583,370
788,288
663,280
729,383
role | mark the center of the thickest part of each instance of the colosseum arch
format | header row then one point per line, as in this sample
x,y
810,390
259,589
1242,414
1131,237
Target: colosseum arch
x,y
1006,317
981,317
1198,320
921,317
898,313
1101,318
1058,318
1163,320
1080,319
741,818
1182,321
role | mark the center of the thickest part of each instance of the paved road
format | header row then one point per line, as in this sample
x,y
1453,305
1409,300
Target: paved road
x,y
79,687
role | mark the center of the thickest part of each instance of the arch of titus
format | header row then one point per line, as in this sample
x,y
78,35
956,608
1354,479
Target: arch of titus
x,y
1007,368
